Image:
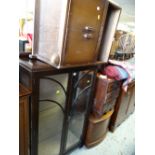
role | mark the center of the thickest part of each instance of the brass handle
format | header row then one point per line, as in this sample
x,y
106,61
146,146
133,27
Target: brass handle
x,y
89,28
88,36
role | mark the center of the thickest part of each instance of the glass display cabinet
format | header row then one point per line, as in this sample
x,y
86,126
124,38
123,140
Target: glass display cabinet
x,y
60,105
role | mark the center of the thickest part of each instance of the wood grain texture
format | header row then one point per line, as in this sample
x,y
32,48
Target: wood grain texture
x,y
97,129
107,90
125,105
24,120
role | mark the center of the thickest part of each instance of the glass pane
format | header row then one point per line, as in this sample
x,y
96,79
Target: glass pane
x,y
81,94
51,113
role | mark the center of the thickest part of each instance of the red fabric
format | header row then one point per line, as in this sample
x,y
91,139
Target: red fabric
x,y
29,38
111,72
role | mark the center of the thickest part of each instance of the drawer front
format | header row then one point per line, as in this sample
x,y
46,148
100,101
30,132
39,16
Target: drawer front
x,y
84,25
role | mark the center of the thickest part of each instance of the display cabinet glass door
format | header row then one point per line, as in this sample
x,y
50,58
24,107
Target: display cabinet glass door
x,y
82,82
52,99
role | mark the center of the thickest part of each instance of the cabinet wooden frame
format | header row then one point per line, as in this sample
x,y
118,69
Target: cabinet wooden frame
x,y
111,22
35,70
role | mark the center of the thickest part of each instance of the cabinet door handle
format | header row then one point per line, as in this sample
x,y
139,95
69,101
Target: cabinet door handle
x,y
89,28
87,35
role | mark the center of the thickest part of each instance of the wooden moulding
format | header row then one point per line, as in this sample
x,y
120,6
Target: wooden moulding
x,y
97,129
112,18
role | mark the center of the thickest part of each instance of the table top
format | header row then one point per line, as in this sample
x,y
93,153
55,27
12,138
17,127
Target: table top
x,y
35,65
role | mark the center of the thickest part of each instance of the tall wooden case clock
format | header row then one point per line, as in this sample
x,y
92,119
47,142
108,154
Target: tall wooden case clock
x,y
68,32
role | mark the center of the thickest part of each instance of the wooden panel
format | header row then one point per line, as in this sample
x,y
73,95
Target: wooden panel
x,y
124,107
50,17
68,32
131,105
111,22
97,129
85,20
107,90
23,120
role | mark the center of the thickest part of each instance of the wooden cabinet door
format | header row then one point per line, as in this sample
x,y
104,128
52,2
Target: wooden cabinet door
x,y
23,120
23,126
84,26
82,85
125,105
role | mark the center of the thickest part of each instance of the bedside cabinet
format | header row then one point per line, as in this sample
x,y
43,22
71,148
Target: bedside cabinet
x,y
125,105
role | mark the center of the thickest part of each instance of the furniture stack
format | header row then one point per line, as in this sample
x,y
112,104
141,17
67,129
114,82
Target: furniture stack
x,y
72,39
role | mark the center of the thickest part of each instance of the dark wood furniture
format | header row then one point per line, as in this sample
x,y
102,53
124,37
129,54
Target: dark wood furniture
x,y
24,94
97,129
125,105
60,105
107,91
68,32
